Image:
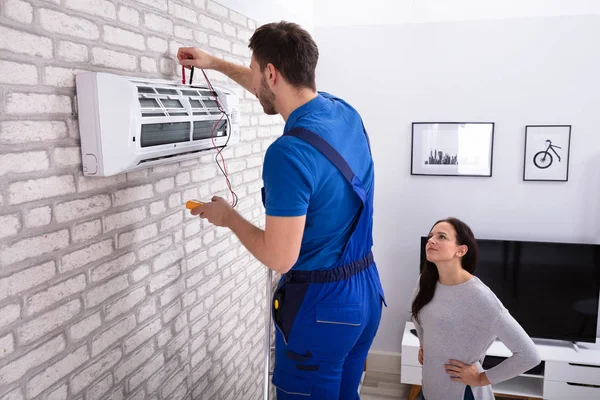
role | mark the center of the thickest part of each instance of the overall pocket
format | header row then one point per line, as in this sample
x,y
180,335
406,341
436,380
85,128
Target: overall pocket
x,y
338,314
286,303
336,330
291,385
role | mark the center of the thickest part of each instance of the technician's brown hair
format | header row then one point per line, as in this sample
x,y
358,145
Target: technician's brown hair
x,y
290,49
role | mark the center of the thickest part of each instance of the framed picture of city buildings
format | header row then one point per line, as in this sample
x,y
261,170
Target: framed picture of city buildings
x,y
452,148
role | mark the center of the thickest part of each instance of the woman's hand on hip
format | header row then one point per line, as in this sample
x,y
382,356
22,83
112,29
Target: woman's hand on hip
x,y
465,373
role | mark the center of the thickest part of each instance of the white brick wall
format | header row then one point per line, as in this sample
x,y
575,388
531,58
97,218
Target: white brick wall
x,y
72,52
129,16
95,370
23,162
56,371
124,38
82,328
36,189
28,278
13,132
15,370
14,40
19,11
18,73
48,297
61,23
101,8
43,324
113,59
109,289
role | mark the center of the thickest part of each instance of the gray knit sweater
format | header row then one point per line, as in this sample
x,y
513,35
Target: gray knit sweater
x,y
461,322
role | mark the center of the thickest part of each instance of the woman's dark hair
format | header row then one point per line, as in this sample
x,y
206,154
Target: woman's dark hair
x,y
430,275
290,49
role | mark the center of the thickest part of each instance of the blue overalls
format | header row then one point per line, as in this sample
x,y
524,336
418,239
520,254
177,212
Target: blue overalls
x,y
326,320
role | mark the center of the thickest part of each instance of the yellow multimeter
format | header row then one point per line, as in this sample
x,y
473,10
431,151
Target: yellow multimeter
x,y
191,204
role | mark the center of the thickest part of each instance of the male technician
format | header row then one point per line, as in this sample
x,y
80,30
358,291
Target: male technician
x,y
318,194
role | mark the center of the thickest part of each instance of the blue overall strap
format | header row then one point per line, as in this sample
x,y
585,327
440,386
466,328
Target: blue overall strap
x,y
325,148
333,156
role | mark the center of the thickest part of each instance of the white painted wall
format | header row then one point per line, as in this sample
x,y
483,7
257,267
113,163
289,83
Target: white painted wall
x,y
381,12
513,72
263,11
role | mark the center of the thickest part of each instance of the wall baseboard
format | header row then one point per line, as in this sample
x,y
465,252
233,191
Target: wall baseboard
x,y
384,361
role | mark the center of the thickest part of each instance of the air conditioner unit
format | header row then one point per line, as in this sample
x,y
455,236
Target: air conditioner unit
x,y
131,123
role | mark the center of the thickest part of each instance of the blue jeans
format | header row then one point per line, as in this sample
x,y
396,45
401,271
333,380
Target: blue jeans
x,y
468,394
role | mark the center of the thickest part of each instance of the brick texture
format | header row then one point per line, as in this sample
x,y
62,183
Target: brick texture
x,y
109,288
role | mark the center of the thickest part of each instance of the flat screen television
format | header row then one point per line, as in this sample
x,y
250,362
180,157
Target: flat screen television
x,y
551,289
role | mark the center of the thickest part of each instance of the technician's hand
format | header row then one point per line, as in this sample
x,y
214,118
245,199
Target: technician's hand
x,y
193,57
467,374
421,355
217,212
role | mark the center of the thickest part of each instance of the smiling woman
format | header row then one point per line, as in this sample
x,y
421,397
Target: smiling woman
x,y
458,317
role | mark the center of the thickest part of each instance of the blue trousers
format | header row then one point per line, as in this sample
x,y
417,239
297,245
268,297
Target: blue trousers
x,y
468,394
322,353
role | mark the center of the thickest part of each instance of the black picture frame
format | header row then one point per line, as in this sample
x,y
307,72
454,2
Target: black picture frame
x,y
537,161
451,170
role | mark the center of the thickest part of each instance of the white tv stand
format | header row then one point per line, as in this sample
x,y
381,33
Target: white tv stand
x,y
570,373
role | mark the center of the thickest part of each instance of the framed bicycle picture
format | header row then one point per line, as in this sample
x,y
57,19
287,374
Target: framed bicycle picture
x,y
547,149
452,148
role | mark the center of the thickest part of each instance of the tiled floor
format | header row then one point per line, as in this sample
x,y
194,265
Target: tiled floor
x,y
380,386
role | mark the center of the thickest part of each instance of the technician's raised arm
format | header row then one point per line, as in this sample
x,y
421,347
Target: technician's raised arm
x,y
191,56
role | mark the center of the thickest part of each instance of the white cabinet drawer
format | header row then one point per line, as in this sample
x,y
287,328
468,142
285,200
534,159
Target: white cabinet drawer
x,y
411,375
577,373
565,391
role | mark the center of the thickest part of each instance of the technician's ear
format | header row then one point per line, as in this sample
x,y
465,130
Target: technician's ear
x,y
271,73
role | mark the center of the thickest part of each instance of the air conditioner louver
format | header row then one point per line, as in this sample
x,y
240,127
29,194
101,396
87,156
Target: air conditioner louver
x,y
165,133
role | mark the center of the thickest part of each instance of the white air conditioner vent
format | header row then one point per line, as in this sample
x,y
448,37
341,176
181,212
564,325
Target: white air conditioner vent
x,y
130,123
